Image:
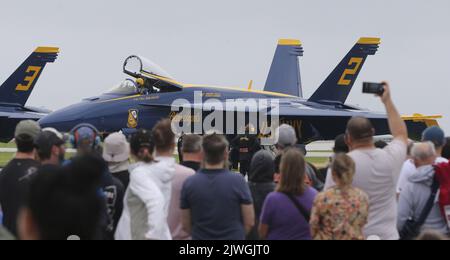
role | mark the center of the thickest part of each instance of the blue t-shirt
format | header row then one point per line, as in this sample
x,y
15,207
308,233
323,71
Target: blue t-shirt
x,y
215,198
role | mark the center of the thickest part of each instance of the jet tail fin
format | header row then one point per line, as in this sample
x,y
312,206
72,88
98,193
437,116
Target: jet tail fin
x,y
18,87
284,74
339,83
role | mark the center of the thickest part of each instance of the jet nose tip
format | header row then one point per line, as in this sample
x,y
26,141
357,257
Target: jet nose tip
x,y
45,119
48,121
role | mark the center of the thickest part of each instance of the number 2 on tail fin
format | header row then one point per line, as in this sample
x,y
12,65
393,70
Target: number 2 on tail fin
x,y
29,79
343,81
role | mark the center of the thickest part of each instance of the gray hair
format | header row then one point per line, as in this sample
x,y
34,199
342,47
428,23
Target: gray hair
x,y
423,151
285,136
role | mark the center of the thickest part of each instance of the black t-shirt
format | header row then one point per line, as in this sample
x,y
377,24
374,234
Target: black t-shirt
x,y
114,191
248,146
278,164
14,184
123,177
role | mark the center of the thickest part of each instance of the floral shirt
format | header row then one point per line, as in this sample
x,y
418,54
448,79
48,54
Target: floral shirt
x,y
339,215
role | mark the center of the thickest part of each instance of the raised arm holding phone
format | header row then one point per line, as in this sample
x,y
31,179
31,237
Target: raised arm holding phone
x,y
377,170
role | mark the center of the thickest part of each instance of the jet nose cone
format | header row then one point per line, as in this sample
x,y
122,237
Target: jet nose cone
x,y
50,120
59,120
64,120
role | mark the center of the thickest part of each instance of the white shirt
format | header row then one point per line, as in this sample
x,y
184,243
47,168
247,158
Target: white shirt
x,y
409,169
163,172
377,172
144,215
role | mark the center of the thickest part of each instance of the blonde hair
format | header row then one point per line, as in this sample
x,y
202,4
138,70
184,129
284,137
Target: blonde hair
x,y
293,170
343,167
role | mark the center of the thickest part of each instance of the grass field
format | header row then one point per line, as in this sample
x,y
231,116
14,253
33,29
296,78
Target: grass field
x,y
6,157
9,145
319,162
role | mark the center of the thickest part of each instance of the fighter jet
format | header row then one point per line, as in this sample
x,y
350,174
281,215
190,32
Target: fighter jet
x,y
152,94
16,90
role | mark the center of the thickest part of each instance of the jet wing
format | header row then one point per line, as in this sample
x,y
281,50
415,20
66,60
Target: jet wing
x,y
313,122
284,109
20,116
292,109
9,121
327,123
209,106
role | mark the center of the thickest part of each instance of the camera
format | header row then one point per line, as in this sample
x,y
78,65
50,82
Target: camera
x,y
373,88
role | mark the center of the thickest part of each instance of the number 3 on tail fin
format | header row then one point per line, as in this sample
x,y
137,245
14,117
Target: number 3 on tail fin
x,y
29,79
343,81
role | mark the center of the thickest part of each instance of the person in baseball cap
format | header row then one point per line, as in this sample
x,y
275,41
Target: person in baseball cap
x,y
435,135
17,174
116,152
142,145
27,130
50,147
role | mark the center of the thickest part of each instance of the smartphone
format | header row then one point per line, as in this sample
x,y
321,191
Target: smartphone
x,y
373,88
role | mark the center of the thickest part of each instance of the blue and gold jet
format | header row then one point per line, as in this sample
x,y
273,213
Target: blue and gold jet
x,y
149,96
16,90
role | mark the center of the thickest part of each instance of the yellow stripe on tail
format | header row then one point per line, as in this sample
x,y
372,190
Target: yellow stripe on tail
x,y
428,120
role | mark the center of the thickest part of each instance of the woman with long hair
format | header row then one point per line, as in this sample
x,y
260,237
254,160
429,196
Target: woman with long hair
x,y
286,212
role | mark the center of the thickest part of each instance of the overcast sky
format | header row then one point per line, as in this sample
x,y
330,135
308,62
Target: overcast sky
x,y
230,43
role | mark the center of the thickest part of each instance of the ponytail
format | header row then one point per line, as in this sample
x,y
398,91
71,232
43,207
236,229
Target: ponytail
x,y
343,168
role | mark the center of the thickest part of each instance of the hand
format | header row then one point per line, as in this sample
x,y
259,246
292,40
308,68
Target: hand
x,y
386,97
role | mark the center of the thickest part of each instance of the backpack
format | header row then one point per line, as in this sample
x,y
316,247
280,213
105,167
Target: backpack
x,y
442,173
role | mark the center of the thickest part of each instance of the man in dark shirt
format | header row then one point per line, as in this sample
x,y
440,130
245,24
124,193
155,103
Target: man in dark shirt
x,y
87,143
50,148
248,145
15,177
216,203
191,149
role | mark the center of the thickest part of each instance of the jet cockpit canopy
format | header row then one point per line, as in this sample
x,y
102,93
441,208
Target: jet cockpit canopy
x,y
155,78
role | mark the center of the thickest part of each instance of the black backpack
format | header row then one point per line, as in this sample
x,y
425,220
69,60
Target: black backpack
x,y
411,229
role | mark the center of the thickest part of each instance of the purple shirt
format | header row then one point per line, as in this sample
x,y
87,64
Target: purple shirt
x,y
284,219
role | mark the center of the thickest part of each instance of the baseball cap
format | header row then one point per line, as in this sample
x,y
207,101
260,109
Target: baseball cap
x,y
27,127
141,139
435,135
286,135
47,139
56,132
116,148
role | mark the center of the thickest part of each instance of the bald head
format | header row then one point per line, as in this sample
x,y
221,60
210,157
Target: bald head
x,y
423,153
360,129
